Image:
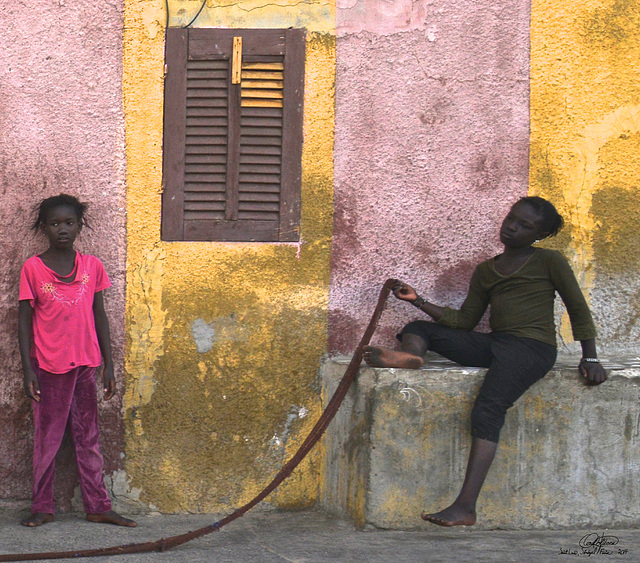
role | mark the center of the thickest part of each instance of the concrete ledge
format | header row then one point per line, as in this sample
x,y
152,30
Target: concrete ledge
x,y
569,455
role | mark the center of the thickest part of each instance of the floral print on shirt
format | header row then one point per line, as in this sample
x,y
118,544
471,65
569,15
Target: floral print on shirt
x,y
49,289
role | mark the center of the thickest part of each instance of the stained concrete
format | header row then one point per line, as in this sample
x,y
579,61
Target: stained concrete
x,y
306,537
568,455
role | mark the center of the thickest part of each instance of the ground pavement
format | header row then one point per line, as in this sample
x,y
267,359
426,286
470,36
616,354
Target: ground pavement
x,y
265,536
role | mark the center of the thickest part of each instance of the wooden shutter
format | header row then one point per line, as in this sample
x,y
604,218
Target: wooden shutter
x,y
232,152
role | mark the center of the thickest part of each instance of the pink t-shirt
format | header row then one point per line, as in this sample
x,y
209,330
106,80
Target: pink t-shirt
x,y
64,331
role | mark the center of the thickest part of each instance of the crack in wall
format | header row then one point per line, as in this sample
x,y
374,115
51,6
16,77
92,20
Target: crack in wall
x,y
145,331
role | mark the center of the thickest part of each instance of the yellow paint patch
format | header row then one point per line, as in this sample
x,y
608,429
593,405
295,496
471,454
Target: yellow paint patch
x,y
200,423
397,505
202,375
315,15
537,409
583,182
153,17
146,324
617,244
585,95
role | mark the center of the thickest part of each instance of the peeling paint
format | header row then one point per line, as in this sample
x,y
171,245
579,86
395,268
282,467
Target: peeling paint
x,y
145,328
153,17
316,15
280,440
355,16
203,334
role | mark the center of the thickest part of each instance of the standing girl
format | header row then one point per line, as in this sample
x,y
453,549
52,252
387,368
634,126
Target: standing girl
x,y
520,285
63,333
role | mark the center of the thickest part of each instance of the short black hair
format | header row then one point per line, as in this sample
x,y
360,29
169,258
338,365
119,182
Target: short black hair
x,y
43,209
552,221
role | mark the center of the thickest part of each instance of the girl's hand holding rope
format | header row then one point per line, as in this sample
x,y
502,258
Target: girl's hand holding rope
x,y
404,292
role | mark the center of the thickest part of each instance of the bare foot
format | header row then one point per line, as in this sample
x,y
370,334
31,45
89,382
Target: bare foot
x,y
386,358
111,517
37,519
452,516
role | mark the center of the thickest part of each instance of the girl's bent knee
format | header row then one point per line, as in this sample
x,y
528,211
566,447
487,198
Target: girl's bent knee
x,y
487,420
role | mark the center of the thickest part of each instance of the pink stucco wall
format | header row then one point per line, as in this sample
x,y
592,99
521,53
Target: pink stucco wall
x,y
61,129
431,149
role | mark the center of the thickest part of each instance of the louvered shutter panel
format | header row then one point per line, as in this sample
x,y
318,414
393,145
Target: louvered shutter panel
x,y
232,167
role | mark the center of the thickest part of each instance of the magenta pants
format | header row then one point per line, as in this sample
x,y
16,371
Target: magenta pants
x,y
67,399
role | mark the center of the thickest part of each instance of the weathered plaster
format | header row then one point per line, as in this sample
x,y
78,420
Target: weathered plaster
x,y
61,130
225,339
354,16
585,118
146,326
584,182
392,453
316,15
431,149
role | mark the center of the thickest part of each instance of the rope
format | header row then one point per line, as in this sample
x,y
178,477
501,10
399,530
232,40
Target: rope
x,y
326,417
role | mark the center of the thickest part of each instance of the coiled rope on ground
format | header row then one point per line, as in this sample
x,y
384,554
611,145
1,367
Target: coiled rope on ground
x,y
326,417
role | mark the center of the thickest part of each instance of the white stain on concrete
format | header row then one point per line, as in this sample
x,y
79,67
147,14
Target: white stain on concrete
x,y
203,334
408,393
293,414
220,329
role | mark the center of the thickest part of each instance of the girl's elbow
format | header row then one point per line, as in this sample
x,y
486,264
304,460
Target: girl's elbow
x,y
468,324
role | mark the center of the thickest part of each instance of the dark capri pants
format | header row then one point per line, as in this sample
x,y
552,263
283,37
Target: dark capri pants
x,y
514,363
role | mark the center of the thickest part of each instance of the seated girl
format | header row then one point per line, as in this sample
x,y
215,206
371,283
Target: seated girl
x,y
520,285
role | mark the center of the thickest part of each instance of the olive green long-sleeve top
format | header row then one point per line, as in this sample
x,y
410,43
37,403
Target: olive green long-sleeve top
x,y
522,302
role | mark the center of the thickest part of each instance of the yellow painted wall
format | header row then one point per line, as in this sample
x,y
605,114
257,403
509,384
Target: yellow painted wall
x,y
316,15
205,431
585,147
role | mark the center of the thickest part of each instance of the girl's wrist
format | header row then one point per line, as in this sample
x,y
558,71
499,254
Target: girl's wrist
x,y
418,302
590,360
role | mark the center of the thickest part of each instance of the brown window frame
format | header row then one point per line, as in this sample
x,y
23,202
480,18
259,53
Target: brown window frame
x,y
241,195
